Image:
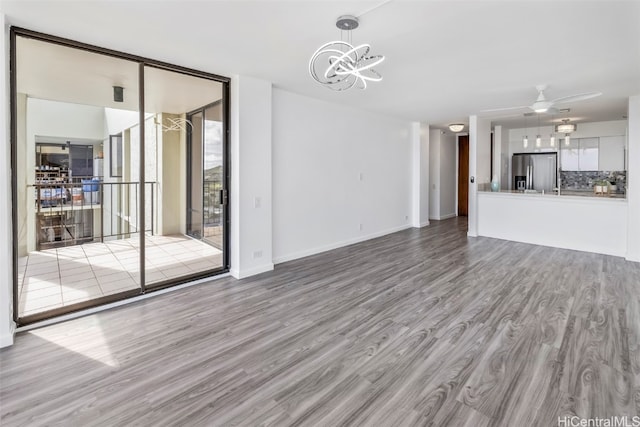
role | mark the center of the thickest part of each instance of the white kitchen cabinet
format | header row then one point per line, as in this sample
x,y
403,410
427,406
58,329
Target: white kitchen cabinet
x,y
588,160
612,153
570,154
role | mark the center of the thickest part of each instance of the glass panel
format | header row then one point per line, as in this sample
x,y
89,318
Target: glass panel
x,y
213,175
194,172
77,228
570,154
183,152
589,154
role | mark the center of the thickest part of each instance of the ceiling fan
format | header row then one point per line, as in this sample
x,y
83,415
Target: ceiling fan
x,y
543,105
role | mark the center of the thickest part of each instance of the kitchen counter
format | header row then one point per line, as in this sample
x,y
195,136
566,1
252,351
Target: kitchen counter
x,y
580,221
563,193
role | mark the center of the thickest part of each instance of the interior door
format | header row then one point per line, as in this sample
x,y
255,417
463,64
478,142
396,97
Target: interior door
x,y
463,175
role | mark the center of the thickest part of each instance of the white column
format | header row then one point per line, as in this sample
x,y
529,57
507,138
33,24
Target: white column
x,y
250,195
497,152
6,240
479,166
420,174
633,180
435,144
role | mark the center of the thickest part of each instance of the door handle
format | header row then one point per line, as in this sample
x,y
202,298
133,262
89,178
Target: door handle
x,y
223,197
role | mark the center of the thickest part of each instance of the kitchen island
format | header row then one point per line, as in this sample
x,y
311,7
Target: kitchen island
x,y
582,221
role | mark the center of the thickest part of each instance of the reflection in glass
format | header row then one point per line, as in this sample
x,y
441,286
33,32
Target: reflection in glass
x,y
77,225
183,157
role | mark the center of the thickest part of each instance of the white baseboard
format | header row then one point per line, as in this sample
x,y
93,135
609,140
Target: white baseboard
x,y
449,215
441,217
242,273
347,242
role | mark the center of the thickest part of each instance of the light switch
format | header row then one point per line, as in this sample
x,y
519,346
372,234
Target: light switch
x,y
256,202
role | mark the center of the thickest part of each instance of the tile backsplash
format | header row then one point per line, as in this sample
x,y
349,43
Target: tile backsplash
x,y
583,180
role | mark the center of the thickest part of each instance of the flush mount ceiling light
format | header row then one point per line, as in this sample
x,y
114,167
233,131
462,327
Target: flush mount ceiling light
x,y
566,127
338,65
456,127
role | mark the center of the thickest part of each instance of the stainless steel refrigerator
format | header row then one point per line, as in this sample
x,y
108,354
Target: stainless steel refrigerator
x,y
535,171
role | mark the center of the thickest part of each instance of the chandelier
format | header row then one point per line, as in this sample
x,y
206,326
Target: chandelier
x,y
338,65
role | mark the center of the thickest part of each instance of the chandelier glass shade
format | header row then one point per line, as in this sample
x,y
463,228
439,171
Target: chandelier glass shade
x,y
566,128
339,65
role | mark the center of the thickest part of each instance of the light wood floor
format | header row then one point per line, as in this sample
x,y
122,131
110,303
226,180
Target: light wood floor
x,y
421,327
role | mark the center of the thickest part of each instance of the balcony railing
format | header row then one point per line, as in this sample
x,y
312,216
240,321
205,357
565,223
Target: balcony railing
x,y
84,210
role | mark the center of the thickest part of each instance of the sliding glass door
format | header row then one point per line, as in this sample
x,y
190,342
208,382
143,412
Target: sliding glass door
x,y
206,172
102,192
184,159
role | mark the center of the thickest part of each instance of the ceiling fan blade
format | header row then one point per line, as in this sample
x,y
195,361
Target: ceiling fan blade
x,y
578,97
503,109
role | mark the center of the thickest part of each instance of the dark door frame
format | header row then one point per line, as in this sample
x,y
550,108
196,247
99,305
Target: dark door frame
x,y
143,62
225,165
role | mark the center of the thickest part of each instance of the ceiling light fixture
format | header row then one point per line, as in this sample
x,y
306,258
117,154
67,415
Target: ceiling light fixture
x,y
566,127
338,65
456,127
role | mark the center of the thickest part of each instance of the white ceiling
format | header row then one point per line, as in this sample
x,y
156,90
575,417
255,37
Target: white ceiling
x,y
60,73
445,60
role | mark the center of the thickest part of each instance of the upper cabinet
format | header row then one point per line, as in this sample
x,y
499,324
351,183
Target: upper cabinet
x,y
589,149
612,153
605,153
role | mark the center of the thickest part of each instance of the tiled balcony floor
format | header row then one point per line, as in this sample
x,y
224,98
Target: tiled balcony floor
x,y
54,278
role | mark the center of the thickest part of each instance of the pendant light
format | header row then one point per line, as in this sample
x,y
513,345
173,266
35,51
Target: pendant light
x,y
339,65
552,137
538,138
525,138
567,139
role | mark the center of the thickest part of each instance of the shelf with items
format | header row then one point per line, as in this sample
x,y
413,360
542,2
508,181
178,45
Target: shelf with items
x,y
51,174
64,228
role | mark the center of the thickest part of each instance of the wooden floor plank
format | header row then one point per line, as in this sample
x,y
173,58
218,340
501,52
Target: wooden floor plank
x,y
424,327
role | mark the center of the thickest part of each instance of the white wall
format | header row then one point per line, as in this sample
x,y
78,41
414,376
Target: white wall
x,y
442,175
6,240
448,176
419,174
434,173
633,181
251,176
61,119
479,166
420,157
340,175
579,223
